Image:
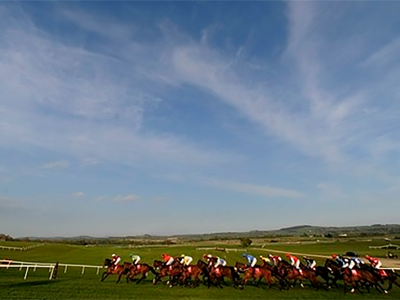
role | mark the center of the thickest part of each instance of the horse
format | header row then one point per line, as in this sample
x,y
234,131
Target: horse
x,y
324,272
386,275
311,275
355,277
217,274
191,271
114,270
205,271
256,272
335,269
173,271
286,270
158,264
142,269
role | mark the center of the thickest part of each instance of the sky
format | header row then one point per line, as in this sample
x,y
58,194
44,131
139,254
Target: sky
x,y
177,117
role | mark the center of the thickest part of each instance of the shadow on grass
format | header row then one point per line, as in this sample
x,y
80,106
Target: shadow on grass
x,y
29,284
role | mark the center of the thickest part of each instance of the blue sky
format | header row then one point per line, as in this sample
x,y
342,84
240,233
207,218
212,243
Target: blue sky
x,y
129,118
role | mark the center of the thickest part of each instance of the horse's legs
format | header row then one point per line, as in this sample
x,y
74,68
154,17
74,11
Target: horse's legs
x,y
104,277
357,285
119,277
259,280
143,277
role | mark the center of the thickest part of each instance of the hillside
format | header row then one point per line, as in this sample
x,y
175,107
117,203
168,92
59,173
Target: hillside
x,y
392,230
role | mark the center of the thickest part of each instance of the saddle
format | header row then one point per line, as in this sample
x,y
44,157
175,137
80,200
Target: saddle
x,y
382,273
298,271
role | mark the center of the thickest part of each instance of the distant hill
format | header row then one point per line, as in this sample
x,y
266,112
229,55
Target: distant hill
x,y
300,230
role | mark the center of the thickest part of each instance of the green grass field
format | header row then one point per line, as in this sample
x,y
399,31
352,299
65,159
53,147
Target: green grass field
x,y
74,285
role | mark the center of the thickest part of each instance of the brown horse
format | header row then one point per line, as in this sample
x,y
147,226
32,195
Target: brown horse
x,y
114,270
388,275
357,277
191,272
282,282
205,271
255,273
142,269
173,271
217,275
335,269
291,273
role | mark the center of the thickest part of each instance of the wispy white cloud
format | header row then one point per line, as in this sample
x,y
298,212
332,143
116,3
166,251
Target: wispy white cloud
x,y
60,164
236,186
89,162
387,54
79,194
249,188
68,99
126,198
100,24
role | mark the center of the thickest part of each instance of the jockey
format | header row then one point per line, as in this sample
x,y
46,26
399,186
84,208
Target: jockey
x,y
219,262
346,262
266,260
275,259
135,258
186,260
208,257
357,262
167,259
115,260
375,263
294,261
311,263
339,260
251,260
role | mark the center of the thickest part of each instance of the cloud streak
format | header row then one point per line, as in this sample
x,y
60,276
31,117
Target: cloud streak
x,y
61,164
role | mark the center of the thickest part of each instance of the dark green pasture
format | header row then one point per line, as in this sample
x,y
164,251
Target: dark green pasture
x,y
72,284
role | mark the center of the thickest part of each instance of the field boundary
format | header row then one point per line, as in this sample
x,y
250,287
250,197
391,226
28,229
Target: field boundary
x,y
20,248
221,249
29,264
51,268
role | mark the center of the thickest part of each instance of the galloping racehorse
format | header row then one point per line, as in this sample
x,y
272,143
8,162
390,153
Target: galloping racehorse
x,y
255,273
142,269
189,272
388,275
355,277
291,273
335,269
205,272
282,282
217,274
173,271
114,270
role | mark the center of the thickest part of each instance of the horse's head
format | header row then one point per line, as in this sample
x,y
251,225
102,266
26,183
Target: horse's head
x,y
107,262
157,264
240,266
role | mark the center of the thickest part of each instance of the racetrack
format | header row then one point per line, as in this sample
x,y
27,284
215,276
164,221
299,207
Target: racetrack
x,y
74,285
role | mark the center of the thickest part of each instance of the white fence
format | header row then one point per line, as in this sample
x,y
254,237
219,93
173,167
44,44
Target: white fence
x,y
20,248
221,249
33,265
51,268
